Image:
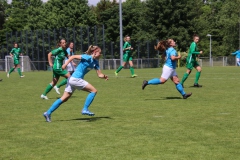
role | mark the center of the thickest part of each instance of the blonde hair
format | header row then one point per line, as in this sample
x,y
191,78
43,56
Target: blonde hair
x,y
92,48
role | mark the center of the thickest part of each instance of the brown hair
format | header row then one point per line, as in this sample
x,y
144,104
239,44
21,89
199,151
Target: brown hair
x,y
125,38
92,48
59,42
195,35
163,45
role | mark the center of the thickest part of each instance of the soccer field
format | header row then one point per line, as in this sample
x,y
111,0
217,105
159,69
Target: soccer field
x,y
129,123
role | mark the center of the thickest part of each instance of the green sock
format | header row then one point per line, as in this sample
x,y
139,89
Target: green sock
x,y
197,77
12,69
63,82
185,76
19,71
48,89
132,70
119,69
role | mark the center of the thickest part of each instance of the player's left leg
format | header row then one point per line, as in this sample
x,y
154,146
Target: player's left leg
x,y
179,86
131,68
155,81
55,105
197,76
92,93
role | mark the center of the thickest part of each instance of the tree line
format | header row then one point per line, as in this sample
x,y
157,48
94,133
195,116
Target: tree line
x,y
148,20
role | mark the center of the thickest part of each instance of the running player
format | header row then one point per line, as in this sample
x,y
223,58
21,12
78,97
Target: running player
x,y
168,71
237,54
70,67
192,62
15,53
127,56
88,61
60,54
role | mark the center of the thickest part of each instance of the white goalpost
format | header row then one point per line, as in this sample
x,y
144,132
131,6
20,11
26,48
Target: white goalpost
x,y
26,64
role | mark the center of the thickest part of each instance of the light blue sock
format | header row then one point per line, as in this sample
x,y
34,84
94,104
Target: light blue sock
x,y
54,106
154,81
89,100
180,89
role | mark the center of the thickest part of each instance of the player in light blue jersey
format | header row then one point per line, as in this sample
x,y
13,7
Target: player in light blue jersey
x,y
88,61
237,54
171,56
70,67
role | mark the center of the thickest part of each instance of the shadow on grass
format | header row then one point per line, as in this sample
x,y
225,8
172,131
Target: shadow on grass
x,y
89,119
163,98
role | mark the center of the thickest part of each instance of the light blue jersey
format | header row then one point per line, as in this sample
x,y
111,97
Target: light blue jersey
x,y
86,64
169,62
69,53
237,54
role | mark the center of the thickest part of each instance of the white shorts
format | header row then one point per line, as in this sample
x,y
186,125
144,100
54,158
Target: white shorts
x,y
168,72
75,83
70,67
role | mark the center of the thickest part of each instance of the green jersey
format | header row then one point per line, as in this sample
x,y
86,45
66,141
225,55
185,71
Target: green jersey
x,y
192,53
127,45
16,53
60,54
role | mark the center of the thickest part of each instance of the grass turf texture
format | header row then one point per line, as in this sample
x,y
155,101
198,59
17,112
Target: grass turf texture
x,y
129,123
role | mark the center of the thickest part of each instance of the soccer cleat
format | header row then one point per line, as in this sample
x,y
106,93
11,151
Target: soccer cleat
x,y
144,84
197,85
8,75
44,97
185,96
56,89
87,112
134,75
0,79
116,74
47,117
22,76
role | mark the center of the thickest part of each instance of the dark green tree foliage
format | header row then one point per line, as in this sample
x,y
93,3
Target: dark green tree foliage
x,y
3,16
68,13
17,12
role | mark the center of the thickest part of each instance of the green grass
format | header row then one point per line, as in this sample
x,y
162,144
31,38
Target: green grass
x,y
130,124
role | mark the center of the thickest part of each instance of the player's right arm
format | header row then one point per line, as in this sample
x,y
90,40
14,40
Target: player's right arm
x,y
50,59
11,53
192,49
70,59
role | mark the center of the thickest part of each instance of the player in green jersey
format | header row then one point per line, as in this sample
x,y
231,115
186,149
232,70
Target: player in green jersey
x,y
70,67
192,62
60,54
127,56
15,53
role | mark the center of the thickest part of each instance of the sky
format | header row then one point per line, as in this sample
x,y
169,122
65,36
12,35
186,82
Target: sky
x,y
90,2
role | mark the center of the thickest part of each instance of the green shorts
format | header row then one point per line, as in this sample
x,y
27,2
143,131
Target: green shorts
x,y
127,58
16,62
58,73
192,64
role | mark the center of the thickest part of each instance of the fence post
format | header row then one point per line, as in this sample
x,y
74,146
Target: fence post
x,y
74,39
43,49
7,40
103,47
148,52
32,44
81,38
26,34
88,36
37,49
